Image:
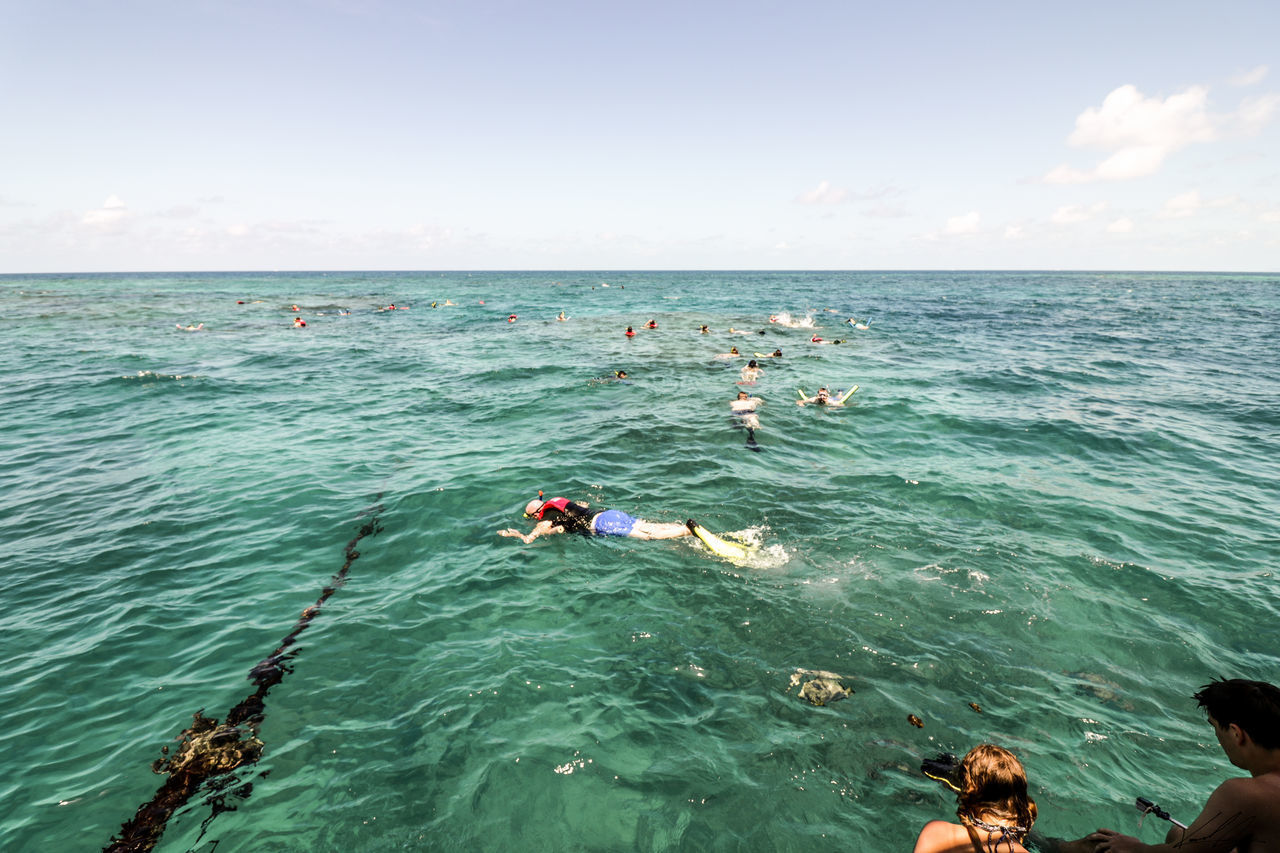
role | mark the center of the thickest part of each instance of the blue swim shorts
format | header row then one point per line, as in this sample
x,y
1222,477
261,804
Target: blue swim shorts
x,y
612,522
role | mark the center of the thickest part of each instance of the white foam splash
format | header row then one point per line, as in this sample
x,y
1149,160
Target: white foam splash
x,y
760,556
784,318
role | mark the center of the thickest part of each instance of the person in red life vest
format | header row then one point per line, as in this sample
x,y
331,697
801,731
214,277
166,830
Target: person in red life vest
x,y
299,323
631,333
561,515
652,324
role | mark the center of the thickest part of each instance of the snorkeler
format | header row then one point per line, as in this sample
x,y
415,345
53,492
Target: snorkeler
x,y
561,515
822,398
751,372
744,409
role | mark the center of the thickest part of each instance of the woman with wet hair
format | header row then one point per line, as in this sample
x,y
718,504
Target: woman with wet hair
x,y
992,803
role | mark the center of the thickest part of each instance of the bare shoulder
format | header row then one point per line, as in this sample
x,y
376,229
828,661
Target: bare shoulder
x,y
1245,812
939,836
1250,791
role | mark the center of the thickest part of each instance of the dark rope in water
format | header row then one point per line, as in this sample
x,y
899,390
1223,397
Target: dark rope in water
x,y
210,751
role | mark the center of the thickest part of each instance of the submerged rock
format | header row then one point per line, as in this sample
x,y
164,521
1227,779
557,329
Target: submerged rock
x,y
823,688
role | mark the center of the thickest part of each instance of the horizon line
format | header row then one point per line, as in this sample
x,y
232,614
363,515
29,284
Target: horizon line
x,y
301,271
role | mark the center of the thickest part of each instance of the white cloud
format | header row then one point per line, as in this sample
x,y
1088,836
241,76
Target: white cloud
x,y
1256,111
1190,203
1127,118
1013,232
966,224
886,211
1270,216
1140,131
112,213
824,193
1123,225
1073,213
1250,78
1181,206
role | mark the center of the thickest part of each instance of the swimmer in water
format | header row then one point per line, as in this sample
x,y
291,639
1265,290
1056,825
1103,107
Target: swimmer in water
x,y
732,353
616,376
631,333
299,323
703,329
744,409
751,372
561,515
561,317
191,328
822,398
652,324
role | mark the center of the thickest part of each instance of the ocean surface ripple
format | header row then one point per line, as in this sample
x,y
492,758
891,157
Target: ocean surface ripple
x,y
1053,496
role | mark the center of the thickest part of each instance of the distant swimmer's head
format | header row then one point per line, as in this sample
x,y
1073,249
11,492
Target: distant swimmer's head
x,y
777,353
621,374
703,329
752,363
743,395
733,350
532,507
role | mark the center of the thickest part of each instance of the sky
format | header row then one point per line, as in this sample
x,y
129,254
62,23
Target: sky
x,y
140,135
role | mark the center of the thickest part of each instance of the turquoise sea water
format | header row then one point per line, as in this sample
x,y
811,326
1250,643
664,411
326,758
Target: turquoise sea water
x,y
1054,496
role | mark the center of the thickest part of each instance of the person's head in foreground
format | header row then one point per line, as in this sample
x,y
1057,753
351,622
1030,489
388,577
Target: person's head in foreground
x,y
993,794
1251,706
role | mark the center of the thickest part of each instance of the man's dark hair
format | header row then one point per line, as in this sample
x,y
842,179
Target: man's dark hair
x,y
1254,706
